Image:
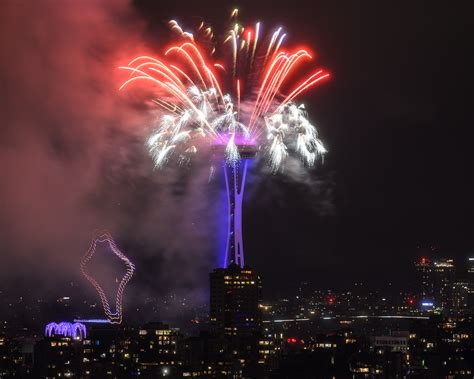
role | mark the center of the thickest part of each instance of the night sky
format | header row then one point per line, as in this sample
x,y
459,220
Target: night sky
x,y
396,117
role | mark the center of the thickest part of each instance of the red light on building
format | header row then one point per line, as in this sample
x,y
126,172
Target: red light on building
x,y
293,340
411,301
424,261
331,300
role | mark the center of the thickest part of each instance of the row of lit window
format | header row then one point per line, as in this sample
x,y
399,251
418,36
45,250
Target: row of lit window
x,y
239,284
54,343
144,332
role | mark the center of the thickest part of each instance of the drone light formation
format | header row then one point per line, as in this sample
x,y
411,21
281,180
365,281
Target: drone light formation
x,y
74,330
114,316
239,105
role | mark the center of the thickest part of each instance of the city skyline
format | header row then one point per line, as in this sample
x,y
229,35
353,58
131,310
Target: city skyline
x,y
348,124
245,335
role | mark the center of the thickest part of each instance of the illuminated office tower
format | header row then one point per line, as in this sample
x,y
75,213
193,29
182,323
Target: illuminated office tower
x,y
443,273
236,318
424,269
460,295
235,295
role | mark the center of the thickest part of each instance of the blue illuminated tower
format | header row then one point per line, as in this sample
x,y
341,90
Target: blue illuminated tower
x,y
235,175
235,184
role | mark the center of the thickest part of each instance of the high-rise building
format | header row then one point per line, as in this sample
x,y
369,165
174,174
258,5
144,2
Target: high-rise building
x,y
236,317
460,295
424,269
235,295
443,272
436,279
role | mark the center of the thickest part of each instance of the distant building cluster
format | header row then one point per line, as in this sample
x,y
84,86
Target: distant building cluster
x,y
440,287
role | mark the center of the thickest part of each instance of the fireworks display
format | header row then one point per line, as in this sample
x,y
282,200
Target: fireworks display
x,y
114,317
247,98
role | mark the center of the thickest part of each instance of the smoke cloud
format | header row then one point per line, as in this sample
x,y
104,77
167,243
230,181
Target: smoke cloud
x,y
73,155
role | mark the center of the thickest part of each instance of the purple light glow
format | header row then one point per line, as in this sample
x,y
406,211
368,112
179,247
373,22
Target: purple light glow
x,y
104,236
235,184
75,330
239,139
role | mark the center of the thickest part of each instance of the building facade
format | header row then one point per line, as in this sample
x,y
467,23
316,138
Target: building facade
x,y
234,299
159,350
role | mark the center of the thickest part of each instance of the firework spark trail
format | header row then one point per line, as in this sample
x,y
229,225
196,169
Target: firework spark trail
x,y
305,85
196,109
176,89
238,98
270,89
255,42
